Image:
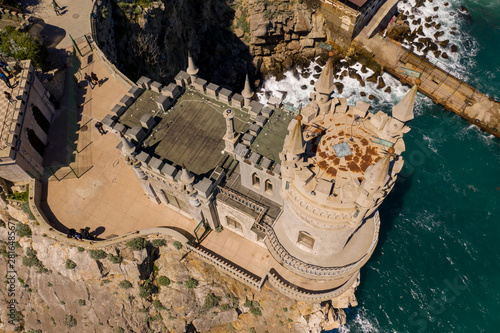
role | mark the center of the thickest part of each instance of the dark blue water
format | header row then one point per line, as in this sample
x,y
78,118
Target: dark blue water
x,y
437,265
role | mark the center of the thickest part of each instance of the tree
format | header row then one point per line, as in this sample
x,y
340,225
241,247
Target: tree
x,y
21,46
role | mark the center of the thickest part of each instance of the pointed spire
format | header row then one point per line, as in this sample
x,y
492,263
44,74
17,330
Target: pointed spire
x,y
192,70
186,176
247,91
375,176
295,142
127,147
325,85
403,111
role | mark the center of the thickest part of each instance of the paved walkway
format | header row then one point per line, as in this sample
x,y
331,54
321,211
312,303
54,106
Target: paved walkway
x,y
75,18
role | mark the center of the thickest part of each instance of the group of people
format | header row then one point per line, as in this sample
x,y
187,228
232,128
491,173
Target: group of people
x,y
92,80
82,234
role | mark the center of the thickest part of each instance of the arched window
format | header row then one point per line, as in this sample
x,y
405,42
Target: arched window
x,y
269,186
306,239
233,223
40,118
255,180
35,141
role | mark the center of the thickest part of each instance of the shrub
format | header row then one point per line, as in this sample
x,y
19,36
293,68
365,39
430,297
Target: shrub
x,y
191,283
290,320
81,302
97,254
285,309
70,321
120,330
219,229
70,264
252,330
137,244
2,223
159,242
224,307
115,259
21,46
30,259
23,230
80,249
125,284
178,245
163,280
211,301
146,289
157,304
25,207
21,196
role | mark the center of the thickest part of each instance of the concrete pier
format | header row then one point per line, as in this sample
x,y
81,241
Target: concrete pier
x,y
454,94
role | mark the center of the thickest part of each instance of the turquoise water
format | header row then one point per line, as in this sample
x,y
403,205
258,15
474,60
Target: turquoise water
x,y
437,264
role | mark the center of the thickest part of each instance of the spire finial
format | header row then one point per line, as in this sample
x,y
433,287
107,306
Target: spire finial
x,y
403,111
192,70
247,91
324,85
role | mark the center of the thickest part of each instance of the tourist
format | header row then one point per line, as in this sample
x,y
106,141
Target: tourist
x,y
8,96
89,80
78,236
6,80
94,78
70,233
5,66
101,130
56,7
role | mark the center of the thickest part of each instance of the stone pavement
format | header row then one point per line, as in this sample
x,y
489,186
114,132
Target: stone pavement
x,y
75,18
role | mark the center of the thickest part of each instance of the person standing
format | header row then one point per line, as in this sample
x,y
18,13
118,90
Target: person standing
x,y
56,7
89,80
8,96
95,79
99,127
6,80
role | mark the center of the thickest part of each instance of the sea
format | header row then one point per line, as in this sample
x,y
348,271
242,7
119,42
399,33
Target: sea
x,y
437,264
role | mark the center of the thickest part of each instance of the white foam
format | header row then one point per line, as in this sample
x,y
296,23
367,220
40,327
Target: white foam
x,y
459,63
361,323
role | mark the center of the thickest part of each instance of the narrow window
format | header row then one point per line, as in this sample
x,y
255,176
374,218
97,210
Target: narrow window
x,y
255,180
269,186
233,223
306,239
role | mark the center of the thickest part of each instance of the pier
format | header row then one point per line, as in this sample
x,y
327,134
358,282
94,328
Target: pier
x,y
445,89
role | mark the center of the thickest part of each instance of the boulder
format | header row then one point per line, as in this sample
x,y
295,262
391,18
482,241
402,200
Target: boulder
x,y
340,87
453,48
381,83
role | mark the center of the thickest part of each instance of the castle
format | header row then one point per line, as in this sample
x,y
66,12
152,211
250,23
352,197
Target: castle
x,y
306,187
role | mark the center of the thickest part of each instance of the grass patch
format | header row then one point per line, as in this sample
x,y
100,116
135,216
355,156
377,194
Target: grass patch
x,y
137,244
23,230
191,283
159,242
163,280
211,301
70,264
125,284
97,254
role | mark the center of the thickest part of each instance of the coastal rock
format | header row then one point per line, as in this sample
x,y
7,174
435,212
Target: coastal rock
x,y
388,90
372,78
444,43
340,87
381,83
444,55
453,48
438,26
438,34
371,97
362,94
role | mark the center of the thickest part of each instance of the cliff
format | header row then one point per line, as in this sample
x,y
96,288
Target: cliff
x,y
145,285
227,39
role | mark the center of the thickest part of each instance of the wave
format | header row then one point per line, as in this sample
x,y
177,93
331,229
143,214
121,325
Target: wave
x,y
360,323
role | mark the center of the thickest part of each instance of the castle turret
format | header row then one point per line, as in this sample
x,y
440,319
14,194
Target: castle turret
x,y
247,93
192,70
231,137
401,114
127,148
294,143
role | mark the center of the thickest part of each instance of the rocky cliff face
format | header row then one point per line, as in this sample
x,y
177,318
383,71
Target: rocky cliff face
x,y
124,288
227,39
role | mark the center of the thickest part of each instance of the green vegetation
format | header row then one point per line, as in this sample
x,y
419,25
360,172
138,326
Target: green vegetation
x,y
53,321
21,196
125,284
231,327
252,330
146,289
159,242
25,207
219,229
120,330
290,320
211,301
23,230
70,264
70,321
106,281
155,318
242,21
80,249
2,224
191,283
225,307
115,259
163,280
49,284
21,46
81,302
143,3
137,244
254,306
178,245
233,299
285,309
97,254
157,304
30,259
